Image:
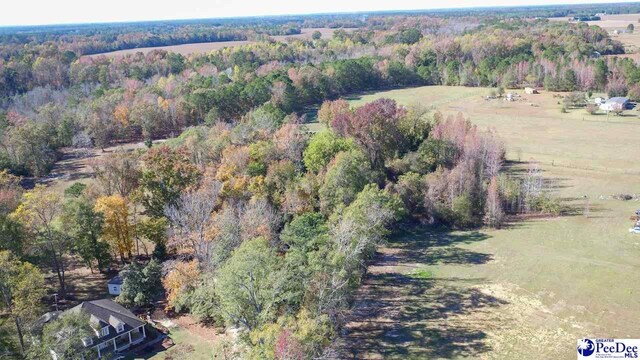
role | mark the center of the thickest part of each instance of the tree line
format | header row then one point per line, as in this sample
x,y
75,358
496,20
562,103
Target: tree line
x,y
259,224
56,100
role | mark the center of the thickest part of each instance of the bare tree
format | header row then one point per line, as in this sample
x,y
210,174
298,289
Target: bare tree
x,y
494,215
225,233
190,218
117,173
259,218
531,186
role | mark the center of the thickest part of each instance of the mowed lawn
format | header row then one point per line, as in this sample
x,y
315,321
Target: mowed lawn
x,y
188,346
532,289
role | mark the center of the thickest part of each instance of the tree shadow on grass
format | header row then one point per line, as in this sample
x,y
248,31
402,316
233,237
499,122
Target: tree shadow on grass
x,y
399,315
433,247
402,317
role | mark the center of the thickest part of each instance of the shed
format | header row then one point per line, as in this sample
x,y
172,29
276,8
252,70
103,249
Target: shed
x,y
115,285
530,90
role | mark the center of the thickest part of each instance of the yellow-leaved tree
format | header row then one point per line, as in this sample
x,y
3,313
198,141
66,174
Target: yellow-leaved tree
x,y
117,230
180,280
21,291
39,213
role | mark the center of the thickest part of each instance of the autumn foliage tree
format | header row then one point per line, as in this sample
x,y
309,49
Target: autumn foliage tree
x,y
21,290
375,127
39,213
116,229
191,216
179,281
165,174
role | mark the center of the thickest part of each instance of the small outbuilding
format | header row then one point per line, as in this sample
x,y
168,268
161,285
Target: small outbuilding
x,y
115,285
530,91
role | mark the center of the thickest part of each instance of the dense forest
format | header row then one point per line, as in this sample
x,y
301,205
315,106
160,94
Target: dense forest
x,y
254,222
54,99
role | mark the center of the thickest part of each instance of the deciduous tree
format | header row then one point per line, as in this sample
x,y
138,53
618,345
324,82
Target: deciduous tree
x,y
190,218
245,284
116,229
21,291
165,174
375,127
39,212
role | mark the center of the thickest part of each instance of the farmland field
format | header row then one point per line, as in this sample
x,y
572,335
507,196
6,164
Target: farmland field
x,y
610,22
533,287
188,49
631,41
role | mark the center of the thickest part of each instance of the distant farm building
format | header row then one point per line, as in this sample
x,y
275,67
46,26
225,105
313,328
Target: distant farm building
x,y
530,91
615,103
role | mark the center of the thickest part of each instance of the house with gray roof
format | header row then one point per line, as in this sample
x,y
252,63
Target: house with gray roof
x,y
115,328
617,103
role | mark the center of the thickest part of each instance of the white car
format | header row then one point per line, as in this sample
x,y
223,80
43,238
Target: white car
x,y
635,230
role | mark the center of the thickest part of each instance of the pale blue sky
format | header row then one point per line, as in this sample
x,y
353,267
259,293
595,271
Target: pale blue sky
x,y
31,12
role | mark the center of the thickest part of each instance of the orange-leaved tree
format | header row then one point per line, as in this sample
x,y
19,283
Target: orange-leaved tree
x,y
180,280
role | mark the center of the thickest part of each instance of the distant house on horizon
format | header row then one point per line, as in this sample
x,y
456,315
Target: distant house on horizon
x,y
116,328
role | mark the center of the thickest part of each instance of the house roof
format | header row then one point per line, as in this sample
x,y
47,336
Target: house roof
x,y
39,323
104,309
618,100
106,312
116,280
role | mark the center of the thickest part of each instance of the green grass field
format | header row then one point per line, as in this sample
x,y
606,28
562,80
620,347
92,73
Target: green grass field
x,y
187,346
532,289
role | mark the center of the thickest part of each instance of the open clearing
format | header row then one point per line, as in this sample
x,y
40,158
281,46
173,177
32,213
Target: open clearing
x,y
199,48
75,165
631,41
529,290
192,341
610,22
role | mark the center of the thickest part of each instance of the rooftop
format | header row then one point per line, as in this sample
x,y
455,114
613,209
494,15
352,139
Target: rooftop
x,y
117,280
618,100
106,312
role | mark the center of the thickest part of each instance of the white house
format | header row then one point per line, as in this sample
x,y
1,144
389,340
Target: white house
x,y
115,286
115,328
615,104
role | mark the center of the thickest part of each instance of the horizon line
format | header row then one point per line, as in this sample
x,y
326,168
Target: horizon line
x,y
311,14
